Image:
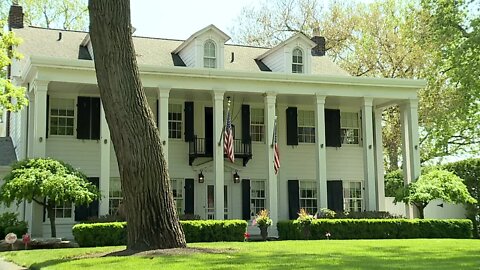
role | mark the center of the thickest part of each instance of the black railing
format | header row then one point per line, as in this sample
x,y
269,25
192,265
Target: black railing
x,y
203,147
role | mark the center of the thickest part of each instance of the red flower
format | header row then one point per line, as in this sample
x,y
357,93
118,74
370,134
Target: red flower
x,y
246,235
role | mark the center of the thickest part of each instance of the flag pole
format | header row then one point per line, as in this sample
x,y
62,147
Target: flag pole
x,y
222,134
273,133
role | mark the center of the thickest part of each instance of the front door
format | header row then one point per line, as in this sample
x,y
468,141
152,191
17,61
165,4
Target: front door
x,y
208,131
210,209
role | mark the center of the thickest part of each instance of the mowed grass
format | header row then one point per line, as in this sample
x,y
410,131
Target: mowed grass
x,y
325,254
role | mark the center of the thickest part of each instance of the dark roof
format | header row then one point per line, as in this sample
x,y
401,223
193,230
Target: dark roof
x,y
7,152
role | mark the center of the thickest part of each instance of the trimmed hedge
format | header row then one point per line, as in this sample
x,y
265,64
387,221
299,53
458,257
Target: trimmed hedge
x,y
378,229
115,233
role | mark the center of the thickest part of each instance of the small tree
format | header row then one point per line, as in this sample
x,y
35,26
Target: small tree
x,y
49,183
436,184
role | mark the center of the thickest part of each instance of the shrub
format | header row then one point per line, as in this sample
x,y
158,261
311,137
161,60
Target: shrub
x,y
10,223
378,229
115,233
366,215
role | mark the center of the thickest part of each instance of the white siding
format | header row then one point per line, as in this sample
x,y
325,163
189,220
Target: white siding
x,y
276,61
188,55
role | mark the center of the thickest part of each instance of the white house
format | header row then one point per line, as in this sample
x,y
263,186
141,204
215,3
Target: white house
x,y
329,123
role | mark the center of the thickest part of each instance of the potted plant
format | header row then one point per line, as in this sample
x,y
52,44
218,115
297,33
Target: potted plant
x,y
305,220
263,221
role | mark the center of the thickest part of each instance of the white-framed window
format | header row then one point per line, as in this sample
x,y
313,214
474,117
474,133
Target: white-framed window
x,y
352,196
306,126
177,190
62,116
257,124
297,61
257,196
175,121
350,127
115,197
308,196
63,210
209,54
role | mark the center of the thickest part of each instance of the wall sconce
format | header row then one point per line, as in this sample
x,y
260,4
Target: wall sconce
x,y
40,139
321,145
201,178
370,146
105,141
236,178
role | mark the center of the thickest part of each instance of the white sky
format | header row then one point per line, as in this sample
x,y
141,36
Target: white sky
x,y
178,19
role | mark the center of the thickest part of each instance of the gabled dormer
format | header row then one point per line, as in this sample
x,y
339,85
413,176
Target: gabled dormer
x,y
204,49
291,56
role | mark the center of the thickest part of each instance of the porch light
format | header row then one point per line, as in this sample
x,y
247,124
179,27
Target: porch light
x,y
201,178
236,178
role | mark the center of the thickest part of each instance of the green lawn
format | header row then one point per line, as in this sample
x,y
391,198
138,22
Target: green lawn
x,y
334,254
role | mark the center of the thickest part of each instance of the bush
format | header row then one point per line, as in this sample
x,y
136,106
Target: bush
x,y
377,229
9,223
366,215
115,233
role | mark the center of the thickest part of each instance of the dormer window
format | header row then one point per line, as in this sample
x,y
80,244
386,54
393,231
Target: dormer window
x,y
297,61
209,55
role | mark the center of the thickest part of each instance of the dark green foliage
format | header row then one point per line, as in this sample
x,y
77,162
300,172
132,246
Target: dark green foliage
x,y
366,215
378,229
469,171
393,182
10,223
115,233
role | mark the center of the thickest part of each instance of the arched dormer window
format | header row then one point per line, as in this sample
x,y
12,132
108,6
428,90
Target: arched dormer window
x,y
209,54
297,61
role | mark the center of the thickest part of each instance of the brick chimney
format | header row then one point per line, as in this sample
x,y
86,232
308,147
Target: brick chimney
x,y
318,50
15,16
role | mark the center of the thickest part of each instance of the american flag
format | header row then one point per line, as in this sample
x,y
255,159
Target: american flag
x,y
228,138
276,153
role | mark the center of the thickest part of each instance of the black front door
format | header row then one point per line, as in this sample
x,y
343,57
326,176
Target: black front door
x,y
335,195
209,131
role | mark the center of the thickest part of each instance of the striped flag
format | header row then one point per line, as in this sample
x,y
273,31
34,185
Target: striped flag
x,y
228,137
276,153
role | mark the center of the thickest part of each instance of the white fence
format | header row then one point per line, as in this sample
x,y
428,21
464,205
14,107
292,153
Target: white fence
x,y
433,209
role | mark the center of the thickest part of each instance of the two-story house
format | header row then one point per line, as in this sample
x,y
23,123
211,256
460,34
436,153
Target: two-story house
x,y
329,124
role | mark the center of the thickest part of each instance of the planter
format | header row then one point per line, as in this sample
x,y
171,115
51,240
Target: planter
x,y
264,232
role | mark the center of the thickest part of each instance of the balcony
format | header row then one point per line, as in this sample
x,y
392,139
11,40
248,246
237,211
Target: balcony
x,y
203,147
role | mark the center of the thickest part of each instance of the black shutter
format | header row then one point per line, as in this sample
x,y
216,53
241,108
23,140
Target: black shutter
x,y
47,117
95,121
292,126
293,199
189,197
83,212
332,128
335,195
246,124
246,199
83,118
189,122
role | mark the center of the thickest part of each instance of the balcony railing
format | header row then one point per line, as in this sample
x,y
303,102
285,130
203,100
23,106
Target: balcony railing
x,y
203,147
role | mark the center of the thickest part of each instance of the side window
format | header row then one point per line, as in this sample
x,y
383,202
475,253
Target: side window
x,y
308,196
257,196
62,116
177,190
306,126
257,124
352,196
115,195
350,128
297,61
209,54
175,121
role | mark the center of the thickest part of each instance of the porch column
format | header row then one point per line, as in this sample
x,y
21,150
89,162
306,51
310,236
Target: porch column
x,y
218,159
379,167
162,119
368,154
410,145
269,100
104,163
321,154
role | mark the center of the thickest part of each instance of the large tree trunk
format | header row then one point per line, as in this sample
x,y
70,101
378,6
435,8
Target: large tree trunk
x,y
149,205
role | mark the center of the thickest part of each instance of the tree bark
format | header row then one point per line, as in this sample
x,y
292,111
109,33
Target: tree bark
x,y
51,217
149,206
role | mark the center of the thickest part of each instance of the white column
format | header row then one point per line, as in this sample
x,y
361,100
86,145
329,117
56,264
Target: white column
x,y
379,167
104,163
269,100
218,159
321,154
162,119
368,154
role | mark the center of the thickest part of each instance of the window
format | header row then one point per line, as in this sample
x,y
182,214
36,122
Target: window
x,y
257,127
209,55
115,195
62,116
257,196
308,196
350,128
175,121
352,196
297,61
63,210
306,126
177,190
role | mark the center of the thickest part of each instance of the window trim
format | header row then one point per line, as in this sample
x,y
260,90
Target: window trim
x,y
314,198
110,197
298,64
345,198
257,125
359,128
75,113
265,192
180,185
182,122
214,57
299,112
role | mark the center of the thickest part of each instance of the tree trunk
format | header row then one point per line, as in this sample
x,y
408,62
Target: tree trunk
x,y
149,206
51,217
421,208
